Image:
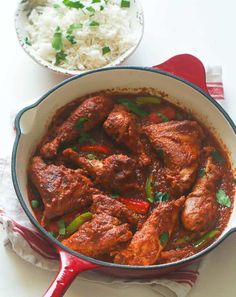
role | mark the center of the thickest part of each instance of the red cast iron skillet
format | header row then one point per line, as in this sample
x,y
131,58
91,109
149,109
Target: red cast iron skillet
x,y
185,68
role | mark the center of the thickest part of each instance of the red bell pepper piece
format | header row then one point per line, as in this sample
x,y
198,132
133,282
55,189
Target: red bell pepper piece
x,y
165,112
138,206
97,148
169,112
154,118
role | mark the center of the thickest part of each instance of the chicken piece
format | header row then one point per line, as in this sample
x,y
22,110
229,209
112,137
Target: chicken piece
x,y
117,172
100,236
200,209
104,204
147,243
62,189
121,125
180,143
92,112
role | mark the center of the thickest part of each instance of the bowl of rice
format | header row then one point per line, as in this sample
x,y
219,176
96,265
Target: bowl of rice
x,y
71,37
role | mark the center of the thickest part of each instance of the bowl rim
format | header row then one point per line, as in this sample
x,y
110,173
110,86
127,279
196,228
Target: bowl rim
x,y
33,220
66,72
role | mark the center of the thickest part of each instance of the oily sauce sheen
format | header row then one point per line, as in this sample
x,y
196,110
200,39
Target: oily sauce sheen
x,y
130,179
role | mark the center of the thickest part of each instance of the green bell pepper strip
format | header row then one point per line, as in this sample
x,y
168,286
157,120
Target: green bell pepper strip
x,y
132,106
78,221
149,189
209,235
148,99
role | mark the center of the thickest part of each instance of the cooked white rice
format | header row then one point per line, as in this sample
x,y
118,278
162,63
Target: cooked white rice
x,y
93,46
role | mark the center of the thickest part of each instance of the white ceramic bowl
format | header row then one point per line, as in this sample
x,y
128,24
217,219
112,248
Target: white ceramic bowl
x,y
25,6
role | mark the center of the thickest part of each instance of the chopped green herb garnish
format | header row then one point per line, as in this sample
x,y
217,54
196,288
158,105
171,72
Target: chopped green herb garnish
x,y
73,4
114,195
132,106
96,1
62,227
105,50
161,197
148,99
71,39
56,6
125,3
60,56
201,172
27,41
160,153
91,156
164,237
80,122
90,9
86,137
57,43
74,148
217,156
35,203
163,117
222,198
101,7
209,235
94,24
73,27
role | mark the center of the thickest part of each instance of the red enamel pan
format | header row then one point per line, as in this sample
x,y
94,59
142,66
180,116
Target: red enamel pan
x,y
183,79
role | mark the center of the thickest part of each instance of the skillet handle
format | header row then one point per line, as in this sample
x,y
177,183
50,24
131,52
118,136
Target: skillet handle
x,y
187,67
70,267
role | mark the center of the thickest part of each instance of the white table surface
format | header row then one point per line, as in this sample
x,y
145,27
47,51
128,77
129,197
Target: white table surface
x,y
203,28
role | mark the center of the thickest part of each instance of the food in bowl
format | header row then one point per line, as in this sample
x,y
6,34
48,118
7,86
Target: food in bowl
x,y
81,35
130,179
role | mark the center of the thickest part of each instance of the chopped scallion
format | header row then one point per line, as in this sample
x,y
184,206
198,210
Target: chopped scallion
x,y
125,3
62,227
60,56
90,9
71,39
73,4
223,199
94,24
57,43
164,237
201,172
27,41
35,203
217,156
80,122
56,6
105,50
161,197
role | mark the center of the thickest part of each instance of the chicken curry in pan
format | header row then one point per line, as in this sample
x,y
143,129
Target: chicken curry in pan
x,y
130,179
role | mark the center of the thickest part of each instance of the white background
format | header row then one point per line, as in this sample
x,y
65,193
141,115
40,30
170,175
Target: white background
x,y
203,28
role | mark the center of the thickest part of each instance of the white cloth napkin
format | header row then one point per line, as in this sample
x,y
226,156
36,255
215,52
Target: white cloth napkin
x,y
25,241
